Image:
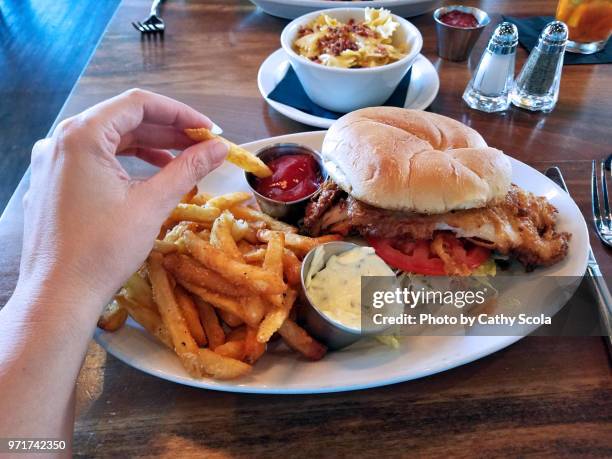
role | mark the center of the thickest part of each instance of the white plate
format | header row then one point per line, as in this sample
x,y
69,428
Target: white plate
x,y
423,89
365,364
291,9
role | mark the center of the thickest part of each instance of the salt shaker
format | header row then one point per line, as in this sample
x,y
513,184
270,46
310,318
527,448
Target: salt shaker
x,y
490,86
537,86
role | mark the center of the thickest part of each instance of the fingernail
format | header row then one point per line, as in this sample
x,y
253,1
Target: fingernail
x,y
218,151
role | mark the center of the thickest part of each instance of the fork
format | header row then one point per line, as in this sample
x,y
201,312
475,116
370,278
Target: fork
x,y
603,223
154,23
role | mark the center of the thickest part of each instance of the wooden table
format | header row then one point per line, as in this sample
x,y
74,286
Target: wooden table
x,y
549,396
36,80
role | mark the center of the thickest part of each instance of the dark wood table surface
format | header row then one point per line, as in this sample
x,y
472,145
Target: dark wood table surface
x,y
44,46
542,395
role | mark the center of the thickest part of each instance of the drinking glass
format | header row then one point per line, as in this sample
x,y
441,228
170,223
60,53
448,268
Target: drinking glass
x,y
589,23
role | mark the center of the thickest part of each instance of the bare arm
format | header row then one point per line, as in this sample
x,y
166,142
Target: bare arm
x,y
88,226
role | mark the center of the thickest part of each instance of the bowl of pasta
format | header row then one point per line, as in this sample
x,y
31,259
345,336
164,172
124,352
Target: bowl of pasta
x,y
350,58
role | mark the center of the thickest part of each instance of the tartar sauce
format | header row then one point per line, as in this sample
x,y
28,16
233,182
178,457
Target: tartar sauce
x,y
336,288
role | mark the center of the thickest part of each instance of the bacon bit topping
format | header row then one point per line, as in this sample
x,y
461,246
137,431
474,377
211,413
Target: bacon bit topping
x,y
337,39
303,30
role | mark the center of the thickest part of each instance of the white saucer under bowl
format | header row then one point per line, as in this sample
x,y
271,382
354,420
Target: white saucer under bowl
x,y
424,86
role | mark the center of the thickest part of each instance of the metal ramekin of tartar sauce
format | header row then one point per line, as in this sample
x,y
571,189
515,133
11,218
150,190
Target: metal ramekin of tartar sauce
x,y
331,314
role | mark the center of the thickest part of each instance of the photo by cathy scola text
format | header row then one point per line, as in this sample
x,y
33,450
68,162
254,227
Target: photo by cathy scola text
x,y
480,305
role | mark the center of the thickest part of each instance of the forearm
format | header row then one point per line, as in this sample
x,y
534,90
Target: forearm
x,y
43,339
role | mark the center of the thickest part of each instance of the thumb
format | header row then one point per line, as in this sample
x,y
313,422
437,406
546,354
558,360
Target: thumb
x,y
183,172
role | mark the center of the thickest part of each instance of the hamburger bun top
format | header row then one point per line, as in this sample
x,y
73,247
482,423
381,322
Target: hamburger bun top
x,y
414,161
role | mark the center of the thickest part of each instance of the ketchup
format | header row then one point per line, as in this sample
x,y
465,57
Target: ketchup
x,y
294,176
458,18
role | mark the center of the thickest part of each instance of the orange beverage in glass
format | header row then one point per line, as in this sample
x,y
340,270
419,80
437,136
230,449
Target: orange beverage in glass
x,y
589,23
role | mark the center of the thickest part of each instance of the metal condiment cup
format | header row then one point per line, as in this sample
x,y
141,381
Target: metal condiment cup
x,y
332,333
288,211
456,43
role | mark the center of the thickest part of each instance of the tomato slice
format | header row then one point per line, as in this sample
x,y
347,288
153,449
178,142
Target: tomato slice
x,y
417,256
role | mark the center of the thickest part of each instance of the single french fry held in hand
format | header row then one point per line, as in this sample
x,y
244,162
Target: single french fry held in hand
x,y
237,155
149,319
191,315
253,348
221,236
230,304
251,215
228,200
169,310
193,213
250,277
275,317
113,317
186,268
299,340
221,367
210,322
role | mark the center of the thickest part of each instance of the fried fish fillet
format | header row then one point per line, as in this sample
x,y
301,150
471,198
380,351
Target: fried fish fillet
x,y
521,225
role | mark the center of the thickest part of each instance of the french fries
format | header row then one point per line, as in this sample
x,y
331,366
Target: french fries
x,y
164,247
138,290
227,303
229,200
237,155
214,331
253,348
275,318
300,245
190,313
194,213
221,236
186,269
233,349
200,199
299,340
113,317
247,276
221,367
219,283
183,343
148,318
251,215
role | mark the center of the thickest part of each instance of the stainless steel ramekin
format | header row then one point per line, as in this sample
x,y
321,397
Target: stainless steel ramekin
x,y
456,43
291,211
332,333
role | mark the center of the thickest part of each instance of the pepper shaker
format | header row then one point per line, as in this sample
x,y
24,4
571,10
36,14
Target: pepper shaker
x,y
537,86
490,85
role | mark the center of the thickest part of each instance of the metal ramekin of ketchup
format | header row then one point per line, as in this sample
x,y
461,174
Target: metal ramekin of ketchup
x,y
297,175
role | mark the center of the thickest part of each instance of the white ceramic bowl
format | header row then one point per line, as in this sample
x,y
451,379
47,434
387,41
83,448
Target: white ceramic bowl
x,y
344,90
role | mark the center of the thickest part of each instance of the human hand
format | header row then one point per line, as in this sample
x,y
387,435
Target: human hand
x,y
88,224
